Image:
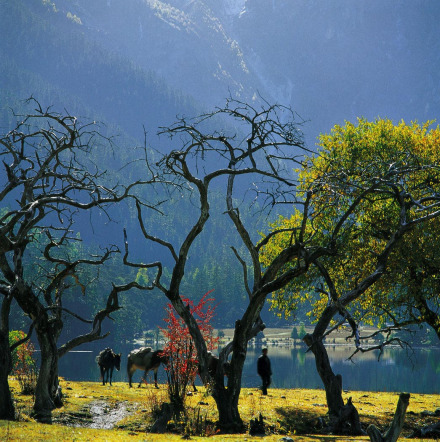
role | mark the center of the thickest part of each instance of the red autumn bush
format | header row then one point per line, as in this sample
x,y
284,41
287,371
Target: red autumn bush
x,y
182,365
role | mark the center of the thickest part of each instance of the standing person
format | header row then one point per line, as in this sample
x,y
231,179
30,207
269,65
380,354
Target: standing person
x,y
264,370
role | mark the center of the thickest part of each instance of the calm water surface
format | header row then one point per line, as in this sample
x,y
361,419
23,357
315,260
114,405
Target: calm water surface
x,y
418,372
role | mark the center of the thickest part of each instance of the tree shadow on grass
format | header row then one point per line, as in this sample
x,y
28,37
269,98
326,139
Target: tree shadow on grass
x,y
294,420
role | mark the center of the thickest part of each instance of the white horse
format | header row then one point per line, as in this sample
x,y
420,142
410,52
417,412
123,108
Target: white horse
x,y
145,359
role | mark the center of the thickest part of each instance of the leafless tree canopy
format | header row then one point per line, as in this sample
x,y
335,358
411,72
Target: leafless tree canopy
x,y
51,175
253,162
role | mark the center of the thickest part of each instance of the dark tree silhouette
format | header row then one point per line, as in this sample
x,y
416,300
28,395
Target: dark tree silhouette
x,y
258,156
49,179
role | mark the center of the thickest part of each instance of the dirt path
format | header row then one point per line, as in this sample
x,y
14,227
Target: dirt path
x,y
105,417
98,414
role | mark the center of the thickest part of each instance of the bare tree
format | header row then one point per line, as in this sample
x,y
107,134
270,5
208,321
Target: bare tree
x,y
50,178
255,165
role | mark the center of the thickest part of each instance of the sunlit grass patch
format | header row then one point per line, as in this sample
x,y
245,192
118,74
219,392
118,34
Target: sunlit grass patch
x,y
291,412
27,431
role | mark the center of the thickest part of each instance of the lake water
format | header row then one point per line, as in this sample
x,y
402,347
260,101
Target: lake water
x,y
397,371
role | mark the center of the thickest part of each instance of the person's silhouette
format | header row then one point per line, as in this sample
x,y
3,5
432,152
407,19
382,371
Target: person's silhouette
x,y
264,370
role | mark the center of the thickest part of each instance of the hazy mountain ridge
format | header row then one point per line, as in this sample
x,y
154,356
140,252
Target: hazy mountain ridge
x,y
331,61
71,70
182,42
142,62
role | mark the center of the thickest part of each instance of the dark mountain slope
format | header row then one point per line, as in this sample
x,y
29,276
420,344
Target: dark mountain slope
x,y
46,54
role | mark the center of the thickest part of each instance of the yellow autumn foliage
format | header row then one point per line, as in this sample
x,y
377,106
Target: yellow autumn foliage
x,y
365,180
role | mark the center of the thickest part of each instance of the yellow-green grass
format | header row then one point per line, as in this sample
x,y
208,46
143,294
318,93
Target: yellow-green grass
x,y
291,412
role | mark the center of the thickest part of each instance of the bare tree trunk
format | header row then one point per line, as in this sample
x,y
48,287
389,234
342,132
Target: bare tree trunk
x,y
48,392
344,419
332,383
227,406
227,398
7,411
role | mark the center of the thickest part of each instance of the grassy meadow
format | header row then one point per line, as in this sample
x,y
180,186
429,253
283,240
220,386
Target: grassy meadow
x,y
127,413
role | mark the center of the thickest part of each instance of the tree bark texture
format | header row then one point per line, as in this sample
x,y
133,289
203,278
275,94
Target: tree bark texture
x,y
332,383
227,398
229,420
47,392
344,419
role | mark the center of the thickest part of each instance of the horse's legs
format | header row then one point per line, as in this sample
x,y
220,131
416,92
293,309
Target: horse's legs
x,y
102,374
143,378
130,373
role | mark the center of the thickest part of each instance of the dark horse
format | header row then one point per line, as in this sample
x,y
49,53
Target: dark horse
x,y
107,360
145,359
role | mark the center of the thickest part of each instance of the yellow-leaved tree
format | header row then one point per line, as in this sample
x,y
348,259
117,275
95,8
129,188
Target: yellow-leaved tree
x,y
371,198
